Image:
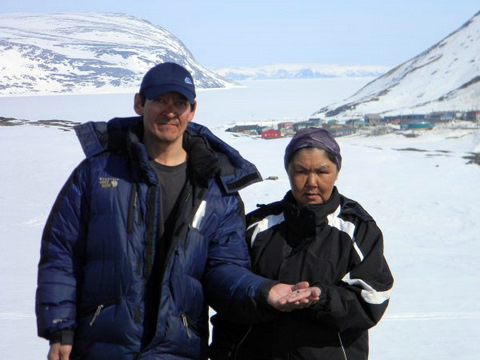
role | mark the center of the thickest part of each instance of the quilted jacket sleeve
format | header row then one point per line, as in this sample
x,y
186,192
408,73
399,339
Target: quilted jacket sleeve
x,y
360,299
231,288
60,259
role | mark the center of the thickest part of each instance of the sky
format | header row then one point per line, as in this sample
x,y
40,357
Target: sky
x,y
252,33
420,191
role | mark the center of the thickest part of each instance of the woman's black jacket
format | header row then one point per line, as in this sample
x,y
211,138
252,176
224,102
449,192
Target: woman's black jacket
x,y
336,246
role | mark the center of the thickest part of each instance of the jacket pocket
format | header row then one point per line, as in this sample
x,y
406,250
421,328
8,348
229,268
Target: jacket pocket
x,y
94,311
192,328
188,325
134,212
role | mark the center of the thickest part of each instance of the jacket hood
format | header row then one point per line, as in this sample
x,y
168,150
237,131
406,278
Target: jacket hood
x,y
235,172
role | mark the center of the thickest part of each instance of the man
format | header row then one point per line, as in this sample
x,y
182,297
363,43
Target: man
x,y
147,232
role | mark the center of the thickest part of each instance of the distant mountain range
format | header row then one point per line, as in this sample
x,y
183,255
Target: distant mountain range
x,y
442,78
107,53
302,71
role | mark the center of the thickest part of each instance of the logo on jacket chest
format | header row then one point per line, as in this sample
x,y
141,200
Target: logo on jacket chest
x,y
108,182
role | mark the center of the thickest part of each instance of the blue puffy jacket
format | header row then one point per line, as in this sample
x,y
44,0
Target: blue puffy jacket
x,y
99,241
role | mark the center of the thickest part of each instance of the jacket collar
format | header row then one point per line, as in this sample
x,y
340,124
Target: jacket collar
x,y
308,219
209,155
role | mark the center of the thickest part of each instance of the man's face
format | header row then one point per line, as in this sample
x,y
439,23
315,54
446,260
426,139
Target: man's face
x,y
312,176
166,117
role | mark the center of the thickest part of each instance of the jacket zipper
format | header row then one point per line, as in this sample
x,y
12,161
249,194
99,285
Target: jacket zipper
x,y
185,324
172,250
99,309
151,231
341,346
132,210
97,312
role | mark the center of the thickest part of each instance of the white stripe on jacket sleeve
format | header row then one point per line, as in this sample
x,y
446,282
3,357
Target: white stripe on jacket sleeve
x,y
346,227
369,294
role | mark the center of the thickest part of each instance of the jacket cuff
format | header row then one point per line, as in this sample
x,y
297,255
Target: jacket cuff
x,y
322,302
263,290
65,337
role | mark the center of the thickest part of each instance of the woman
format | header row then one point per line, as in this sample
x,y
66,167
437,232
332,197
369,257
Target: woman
x,y
314,234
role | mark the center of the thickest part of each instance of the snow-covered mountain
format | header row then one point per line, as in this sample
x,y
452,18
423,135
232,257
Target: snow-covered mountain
x,y
301,71
87,53
444,77
102,52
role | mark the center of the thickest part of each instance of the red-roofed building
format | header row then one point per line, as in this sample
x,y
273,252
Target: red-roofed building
x,y
271,134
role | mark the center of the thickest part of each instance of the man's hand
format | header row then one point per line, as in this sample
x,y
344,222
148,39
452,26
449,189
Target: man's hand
x,y
59,352
285,297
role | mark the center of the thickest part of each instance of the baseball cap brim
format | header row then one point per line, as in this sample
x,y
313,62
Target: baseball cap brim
x,y
155,91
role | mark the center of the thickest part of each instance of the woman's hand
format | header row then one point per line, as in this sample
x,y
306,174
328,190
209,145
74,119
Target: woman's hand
x,y
284,297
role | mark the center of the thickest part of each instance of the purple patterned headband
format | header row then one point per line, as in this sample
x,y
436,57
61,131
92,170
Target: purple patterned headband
x,y
314,137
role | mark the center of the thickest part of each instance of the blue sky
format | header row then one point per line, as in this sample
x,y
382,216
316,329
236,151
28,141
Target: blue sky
x,y
223,33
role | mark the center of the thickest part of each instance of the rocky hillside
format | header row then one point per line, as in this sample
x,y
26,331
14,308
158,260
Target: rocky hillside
x,y
86,53
444,77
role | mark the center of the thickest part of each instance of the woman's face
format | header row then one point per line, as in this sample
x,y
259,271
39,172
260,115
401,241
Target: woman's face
x,y
312,176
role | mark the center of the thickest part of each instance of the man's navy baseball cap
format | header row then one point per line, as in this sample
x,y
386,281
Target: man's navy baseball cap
x,y
168,77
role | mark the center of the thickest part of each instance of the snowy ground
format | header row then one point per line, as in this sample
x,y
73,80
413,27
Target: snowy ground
x,y
420,190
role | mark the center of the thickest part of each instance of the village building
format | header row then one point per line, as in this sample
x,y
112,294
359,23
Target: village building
x,y
339,129
253,129
316,121
285,125
373,119
442,116
271,134
356,123
472,115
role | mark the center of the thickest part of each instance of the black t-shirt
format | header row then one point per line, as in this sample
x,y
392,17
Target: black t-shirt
x,y
171,180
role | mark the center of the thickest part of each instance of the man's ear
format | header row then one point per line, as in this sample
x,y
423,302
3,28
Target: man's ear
x,y
137,105
192,111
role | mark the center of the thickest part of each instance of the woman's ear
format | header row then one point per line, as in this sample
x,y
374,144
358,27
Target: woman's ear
x,y
137,104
